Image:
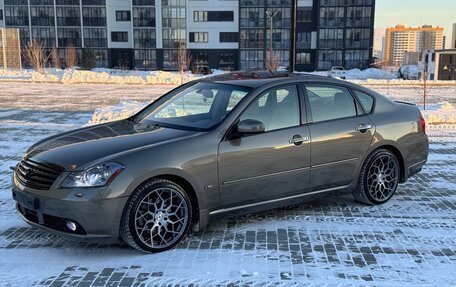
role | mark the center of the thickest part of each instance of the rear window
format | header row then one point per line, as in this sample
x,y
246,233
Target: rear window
x,y
367,101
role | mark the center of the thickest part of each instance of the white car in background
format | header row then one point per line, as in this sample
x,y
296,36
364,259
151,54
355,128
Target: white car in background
x,y
409,72
338,72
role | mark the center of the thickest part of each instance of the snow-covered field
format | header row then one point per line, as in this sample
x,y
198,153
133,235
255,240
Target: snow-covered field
x,y
410,241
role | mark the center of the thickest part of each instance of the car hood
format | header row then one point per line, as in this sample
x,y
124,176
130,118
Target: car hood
x,y
73,149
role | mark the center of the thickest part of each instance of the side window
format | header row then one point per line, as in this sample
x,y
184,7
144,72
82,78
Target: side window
x,y
366,101
330,102
277,108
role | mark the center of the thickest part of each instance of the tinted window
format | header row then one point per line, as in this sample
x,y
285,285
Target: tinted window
x,y
199,106
330,102
366,101
277,108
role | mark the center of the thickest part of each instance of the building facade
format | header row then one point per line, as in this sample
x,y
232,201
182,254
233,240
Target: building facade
x,y
222,34
440,64
402,39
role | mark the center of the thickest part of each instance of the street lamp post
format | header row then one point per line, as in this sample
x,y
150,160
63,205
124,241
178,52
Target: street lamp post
x,y
271,16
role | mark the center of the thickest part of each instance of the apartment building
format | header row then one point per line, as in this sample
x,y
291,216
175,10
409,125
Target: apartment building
x,y
402,39
223,34
453,38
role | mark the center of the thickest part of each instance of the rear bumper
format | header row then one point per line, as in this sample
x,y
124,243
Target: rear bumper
x,y
95,219
416,168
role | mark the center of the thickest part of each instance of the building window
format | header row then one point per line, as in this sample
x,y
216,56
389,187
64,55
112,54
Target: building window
x,y
94,2
119,36
358,38
329,58
143,2
68,16
95,37
304,40
303,58
44,35
143,16
229,37
252,59
252,38
198,37
16,16
42,16
304,14
1,14
16,2
145,59
200,59
122,16
69,36
332,16
170,59
67,2
199,16
226,61
94,16
144,38
331,38
252,17
213,16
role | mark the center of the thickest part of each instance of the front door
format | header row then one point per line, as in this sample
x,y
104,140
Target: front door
x,y
269,165
341,135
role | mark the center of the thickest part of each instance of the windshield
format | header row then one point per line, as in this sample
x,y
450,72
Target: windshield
x,y
200,106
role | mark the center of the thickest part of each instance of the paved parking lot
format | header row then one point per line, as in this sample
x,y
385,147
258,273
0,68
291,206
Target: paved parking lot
x,y
409,241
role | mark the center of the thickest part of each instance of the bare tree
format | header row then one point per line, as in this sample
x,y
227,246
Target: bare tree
x,y
71,57
55,58
36,55
184,59
272,60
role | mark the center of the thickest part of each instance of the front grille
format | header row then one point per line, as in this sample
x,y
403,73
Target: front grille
x,y
37,175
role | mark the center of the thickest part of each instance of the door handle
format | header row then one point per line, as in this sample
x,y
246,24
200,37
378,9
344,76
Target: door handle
x,y
298,140
363,127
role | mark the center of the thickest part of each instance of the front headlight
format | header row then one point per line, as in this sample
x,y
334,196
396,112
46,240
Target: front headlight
x,y
96,176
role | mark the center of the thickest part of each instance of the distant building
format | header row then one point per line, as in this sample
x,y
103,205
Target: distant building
x,y
146,34
441,64
453,40
401,39
444,43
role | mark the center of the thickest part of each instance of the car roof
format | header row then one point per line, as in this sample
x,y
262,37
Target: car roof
x,y
256,79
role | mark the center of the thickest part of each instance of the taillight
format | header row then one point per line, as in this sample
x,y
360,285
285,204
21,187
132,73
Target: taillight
x,y
423,123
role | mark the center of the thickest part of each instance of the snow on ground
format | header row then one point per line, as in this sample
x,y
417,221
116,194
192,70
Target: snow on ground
x,y
334,241
99,76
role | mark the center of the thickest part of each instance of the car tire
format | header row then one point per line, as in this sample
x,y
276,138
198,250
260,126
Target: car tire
x,y
378,179
156,217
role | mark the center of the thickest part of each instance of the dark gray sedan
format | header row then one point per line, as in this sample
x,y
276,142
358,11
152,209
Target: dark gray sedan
x,y
215,147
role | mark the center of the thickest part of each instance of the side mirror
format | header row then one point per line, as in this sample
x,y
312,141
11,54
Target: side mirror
x,y
250,127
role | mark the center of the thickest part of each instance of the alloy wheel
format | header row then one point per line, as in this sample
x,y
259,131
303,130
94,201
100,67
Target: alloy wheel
x,y
161,217
382,177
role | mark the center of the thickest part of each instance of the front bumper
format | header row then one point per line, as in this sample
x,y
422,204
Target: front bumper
x,y
96,219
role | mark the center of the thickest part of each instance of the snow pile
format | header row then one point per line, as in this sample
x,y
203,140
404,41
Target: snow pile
x,y
122,110
357,74
100,76
441,113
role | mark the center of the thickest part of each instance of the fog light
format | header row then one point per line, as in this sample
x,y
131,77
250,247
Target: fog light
x,y
71,225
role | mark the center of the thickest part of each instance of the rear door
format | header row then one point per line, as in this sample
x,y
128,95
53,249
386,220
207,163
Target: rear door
x,y
269,165
340,135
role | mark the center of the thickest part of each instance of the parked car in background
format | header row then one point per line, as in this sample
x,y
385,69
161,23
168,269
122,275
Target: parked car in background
x,y
201,70
338,72
217,146
409,72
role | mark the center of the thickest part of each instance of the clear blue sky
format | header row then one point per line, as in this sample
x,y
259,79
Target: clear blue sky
x,y
416,13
